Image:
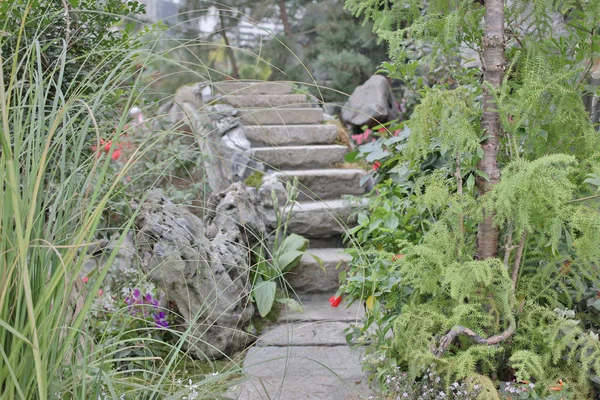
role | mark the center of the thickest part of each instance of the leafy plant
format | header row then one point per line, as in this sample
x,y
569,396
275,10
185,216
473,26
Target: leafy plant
x,y
489,198
271,266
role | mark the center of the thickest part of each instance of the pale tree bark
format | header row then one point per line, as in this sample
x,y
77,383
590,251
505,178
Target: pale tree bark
x,y
287,29
494,65
487,235
234,69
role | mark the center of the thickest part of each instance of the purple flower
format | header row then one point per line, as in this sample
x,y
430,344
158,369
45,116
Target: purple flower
x,y
136,294
160,320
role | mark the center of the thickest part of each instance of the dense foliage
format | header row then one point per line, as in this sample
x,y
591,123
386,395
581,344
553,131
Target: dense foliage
x,y
528,313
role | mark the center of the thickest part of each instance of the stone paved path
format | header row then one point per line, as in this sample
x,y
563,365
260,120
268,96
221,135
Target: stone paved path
x,y
305,355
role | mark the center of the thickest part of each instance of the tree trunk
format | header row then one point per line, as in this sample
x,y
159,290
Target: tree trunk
x,y
493,65
287,29
234,69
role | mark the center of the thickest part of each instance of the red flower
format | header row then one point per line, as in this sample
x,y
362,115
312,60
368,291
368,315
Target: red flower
x,y
381,130
116,154
107,145
85,279
397,257
335,301
376,165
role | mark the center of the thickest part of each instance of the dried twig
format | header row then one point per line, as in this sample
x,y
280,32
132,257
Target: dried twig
x,y
459,330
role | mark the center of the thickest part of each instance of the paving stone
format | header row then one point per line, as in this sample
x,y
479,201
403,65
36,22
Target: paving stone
x,y
309,276
304,372
321,184
316,307
290,135
268,100
290,157
317,333
281,116
253,88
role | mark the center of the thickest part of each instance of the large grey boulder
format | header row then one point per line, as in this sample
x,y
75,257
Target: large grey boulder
x,y
371,103
203,266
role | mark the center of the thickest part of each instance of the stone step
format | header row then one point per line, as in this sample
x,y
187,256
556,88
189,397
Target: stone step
x,y
302,372
318,219
316,307
319,273
290,135
281,116
248,88
322,184
296,157
267,100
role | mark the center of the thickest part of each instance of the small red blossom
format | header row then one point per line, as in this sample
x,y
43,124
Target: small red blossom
x,y
116,154
376,165
397,257
85,279
335,301
381,130
100,292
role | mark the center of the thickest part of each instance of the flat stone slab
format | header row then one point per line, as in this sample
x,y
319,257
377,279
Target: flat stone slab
x,y
303,372
323,184
281,116
267,100
290,135
317,308
321,219
253,88
310,276
290,157
318,333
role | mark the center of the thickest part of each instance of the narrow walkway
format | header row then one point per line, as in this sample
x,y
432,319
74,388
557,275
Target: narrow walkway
x,y
305,355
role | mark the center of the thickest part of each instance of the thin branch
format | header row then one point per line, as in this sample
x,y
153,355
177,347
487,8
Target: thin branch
x,y
584,199
518,257
459,180
459,330
508,247
67,22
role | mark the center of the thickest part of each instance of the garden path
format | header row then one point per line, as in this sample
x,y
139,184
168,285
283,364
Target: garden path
x,y
304,355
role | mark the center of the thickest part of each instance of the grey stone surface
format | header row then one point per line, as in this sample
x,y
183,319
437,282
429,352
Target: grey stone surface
x,y
281,116
326,183
303,372
310,276
318,219
285,100
326,243
371,103
252,88
316,307
294,157
317,333
202,266
291,135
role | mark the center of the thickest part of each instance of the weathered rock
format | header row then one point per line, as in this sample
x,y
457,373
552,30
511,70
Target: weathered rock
x,y
371,103
281,116
322,184
271,184
203,266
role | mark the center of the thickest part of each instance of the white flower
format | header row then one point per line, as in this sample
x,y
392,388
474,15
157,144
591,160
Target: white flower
x,y
404,394
532,385
442,394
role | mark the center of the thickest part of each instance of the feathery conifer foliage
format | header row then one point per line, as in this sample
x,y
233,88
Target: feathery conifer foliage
x,y
485,284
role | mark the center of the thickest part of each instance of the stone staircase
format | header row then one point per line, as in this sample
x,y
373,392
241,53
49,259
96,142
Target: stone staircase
x,y
304,356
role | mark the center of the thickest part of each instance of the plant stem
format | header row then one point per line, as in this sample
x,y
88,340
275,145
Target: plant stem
x,y
518,257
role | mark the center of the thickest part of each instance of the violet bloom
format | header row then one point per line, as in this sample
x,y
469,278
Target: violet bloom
x,y
160,320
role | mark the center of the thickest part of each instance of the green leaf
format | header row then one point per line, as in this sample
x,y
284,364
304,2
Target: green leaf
x,y
351,157
264,296
292,242
391,221
470,182
289,260
319,262
292,304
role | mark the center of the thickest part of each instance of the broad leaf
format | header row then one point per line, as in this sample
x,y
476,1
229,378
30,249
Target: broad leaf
x,y
264,296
